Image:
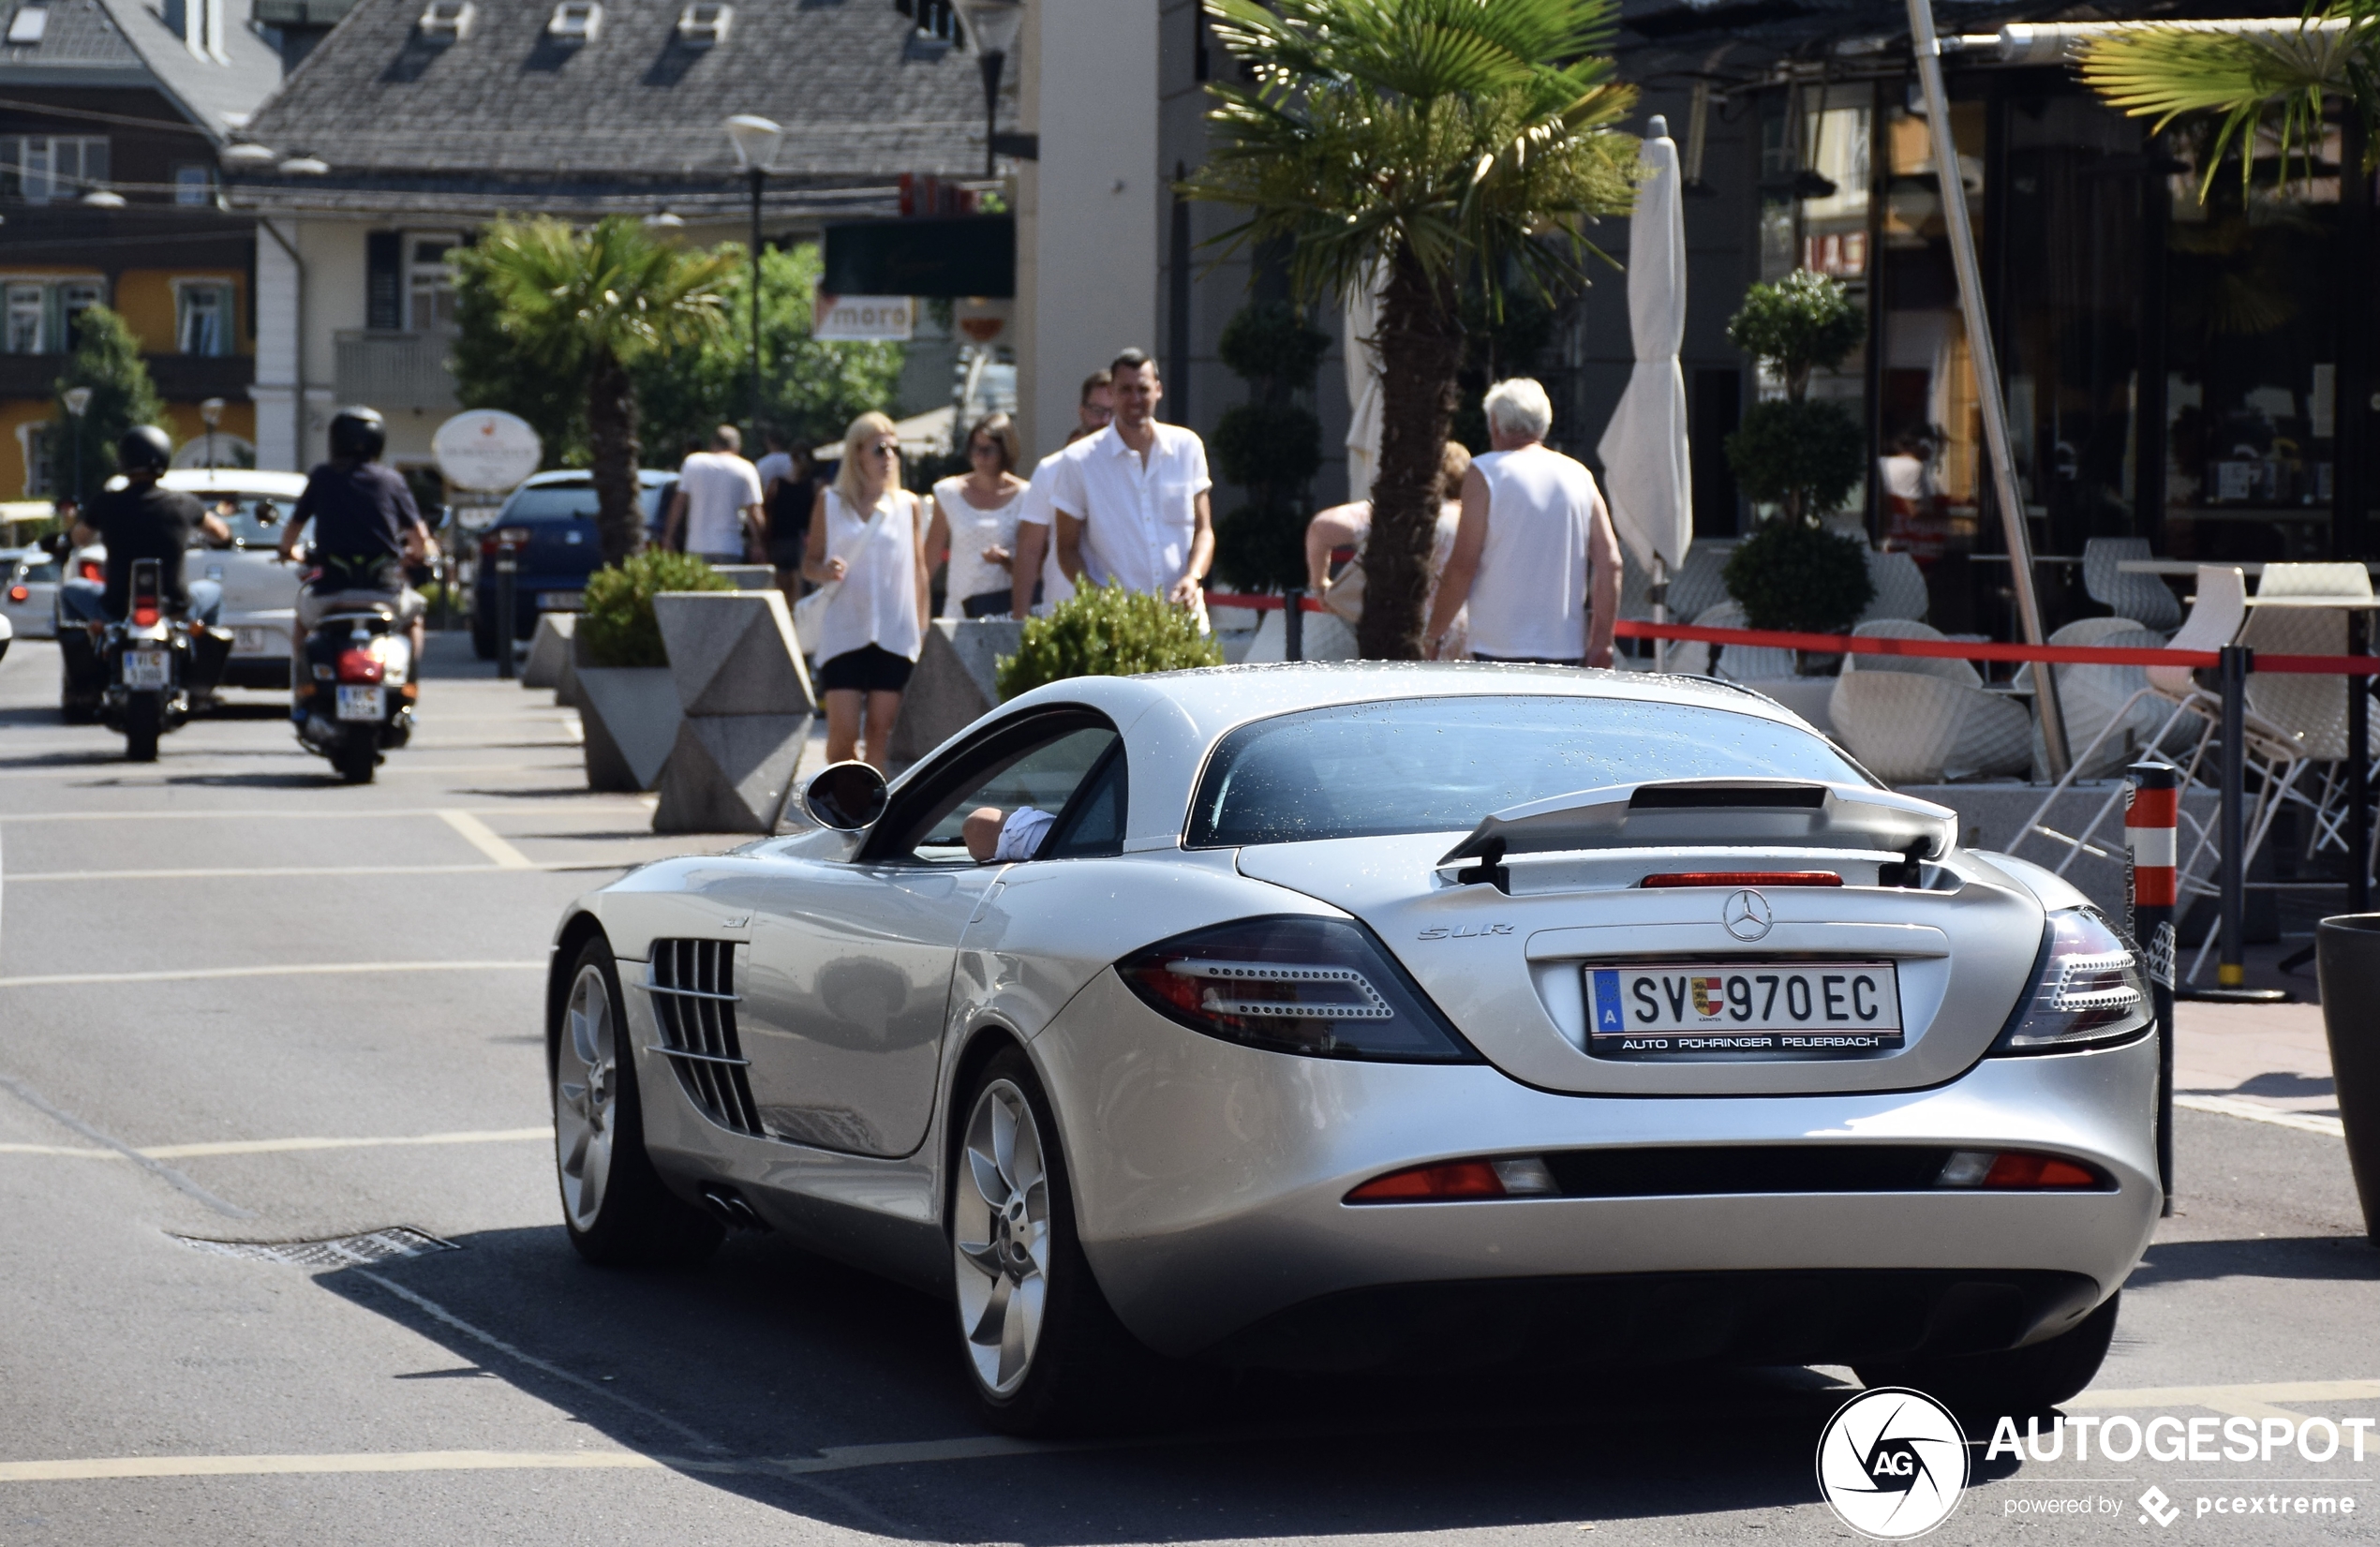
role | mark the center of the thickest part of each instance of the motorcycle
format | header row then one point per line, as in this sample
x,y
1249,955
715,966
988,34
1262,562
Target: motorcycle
x,y
151,666
360,704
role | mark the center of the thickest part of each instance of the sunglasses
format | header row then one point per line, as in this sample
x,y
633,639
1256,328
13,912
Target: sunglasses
x,y
884,451
979,448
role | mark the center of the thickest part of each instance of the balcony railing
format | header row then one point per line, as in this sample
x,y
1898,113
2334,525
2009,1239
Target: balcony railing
x,y
394,370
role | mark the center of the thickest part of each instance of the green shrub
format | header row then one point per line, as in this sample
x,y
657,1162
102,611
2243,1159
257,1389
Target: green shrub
x,y
1805,456
619,624
1274,447
1803,321
1800,578
1107,632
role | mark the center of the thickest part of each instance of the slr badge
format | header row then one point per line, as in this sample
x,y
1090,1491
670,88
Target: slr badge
x,y
1747,915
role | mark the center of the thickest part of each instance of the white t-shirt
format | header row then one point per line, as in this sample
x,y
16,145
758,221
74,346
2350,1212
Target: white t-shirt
x,y
718,486
774,466
1530,597
1139,518
1034,510
876,602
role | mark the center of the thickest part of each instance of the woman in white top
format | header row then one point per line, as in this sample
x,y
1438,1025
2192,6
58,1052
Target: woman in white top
x,y
1347,526
866,542
976,521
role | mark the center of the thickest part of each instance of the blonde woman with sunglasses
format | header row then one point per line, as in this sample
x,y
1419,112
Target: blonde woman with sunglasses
x,y
866,542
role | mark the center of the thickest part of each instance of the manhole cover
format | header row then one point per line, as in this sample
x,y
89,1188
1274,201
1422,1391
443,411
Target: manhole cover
x,y
401,1240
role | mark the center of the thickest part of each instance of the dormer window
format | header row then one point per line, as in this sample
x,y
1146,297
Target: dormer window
x,y
29,23
703,23
575,22
447,20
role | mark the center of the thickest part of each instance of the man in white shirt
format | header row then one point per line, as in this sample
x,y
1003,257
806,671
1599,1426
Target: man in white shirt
x,y
717,503
1132,501
1036,559
1535,554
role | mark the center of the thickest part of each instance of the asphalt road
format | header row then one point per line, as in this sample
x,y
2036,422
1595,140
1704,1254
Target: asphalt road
x,y
240,1003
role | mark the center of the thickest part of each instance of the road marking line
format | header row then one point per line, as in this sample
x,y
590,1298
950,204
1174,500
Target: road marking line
x,y
155,1167
480,836
309,969
287,1146
639,803
2312,1123
233,874
398,1461
176,771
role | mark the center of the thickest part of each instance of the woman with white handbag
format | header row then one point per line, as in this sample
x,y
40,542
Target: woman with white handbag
x,y
865,624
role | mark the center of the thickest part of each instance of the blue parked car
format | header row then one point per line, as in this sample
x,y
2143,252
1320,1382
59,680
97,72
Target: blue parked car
x,y
550,520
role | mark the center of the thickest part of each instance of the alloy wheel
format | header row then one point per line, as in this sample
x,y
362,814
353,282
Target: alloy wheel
x,y
1001,1237
586,1099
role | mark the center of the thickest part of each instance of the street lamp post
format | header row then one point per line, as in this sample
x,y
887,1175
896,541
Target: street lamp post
x,y
994,24
211,412
78,401
756,141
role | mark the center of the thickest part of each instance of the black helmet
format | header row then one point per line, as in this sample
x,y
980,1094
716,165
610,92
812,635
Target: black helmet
x,y
358,432
143,446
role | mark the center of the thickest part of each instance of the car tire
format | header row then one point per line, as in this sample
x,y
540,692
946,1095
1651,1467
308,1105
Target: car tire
x,y
615,1205
2031,1379
1043,1352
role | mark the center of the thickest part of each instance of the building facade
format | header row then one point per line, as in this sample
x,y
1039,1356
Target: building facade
x,y
111,117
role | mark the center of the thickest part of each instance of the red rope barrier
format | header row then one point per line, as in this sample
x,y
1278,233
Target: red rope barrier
x,y
1259,604
1961,650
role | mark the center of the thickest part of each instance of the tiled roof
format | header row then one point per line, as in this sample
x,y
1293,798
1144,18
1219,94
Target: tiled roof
x,y
861,97
77,33
129,41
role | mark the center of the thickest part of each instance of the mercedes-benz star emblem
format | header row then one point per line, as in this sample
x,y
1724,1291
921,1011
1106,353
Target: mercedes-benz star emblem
x,y
1747,915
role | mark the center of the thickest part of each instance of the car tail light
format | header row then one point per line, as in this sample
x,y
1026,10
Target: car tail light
x,y
145,587
359,667
505,536
1743,878
1525,1176
2088,989
94,571
1321,986
2016,1169
20,593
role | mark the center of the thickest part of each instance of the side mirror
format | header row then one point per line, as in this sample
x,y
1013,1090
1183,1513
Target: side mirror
x,y
267,513
846,796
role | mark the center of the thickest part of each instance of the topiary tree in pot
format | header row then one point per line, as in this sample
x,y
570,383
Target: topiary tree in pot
x,y
1109,631
1804,457
1271,446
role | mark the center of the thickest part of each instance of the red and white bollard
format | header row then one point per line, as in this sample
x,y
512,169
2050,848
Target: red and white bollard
x,y
2152,811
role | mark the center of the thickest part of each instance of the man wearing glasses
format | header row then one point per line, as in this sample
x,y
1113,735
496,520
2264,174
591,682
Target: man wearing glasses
x,y
1132,501
1036,567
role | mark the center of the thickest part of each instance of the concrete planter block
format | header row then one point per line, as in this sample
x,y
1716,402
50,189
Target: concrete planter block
x,y
630,717
747,577
729,773
954,682
549,651
733,652
1327,637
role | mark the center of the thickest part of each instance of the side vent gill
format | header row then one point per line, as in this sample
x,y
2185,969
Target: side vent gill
x,y
693,985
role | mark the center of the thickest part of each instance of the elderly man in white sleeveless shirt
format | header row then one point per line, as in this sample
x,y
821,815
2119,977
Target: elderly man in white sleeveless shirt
x,y
1535,554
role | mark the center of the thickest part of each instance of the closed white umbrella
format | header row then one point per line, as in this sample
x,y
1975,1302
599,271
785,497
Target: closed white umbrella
x,y
1362,313
1646,478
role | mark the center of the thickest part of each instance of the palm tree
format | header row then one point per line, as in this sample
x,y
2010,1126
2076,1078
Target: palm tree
x,y
582,305
2242,78
1420,146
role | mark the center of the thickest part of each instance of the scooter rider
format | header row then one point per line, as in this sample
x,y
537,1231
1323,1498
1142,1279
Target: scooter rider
x,y
366,529
143,520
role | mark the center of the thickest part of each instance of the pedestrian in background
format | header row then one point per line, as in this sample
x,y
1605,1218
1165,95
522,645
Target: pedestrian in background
x,y
716,511
1037,555
975,524
866,545
788,498
1535,556
1349,525
1132,501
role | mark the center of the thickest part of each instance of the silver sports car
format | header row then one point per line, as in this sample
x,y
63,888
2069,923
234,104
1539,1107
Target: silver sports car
x,y
1338,1016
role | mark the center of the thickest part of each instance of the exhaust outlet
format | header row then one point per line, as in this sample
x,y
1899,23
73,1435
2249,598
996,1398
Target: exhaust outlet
x,y
730,1209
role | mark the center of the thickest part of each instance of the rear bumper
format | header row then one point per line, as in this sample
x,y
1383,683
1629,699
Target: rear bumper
x,y
1209,1180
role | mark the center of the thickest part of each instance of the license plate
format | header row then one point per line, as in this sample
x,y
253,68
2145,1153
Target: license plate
x,y
363,703
560,601
147,669
247,641
1767,1009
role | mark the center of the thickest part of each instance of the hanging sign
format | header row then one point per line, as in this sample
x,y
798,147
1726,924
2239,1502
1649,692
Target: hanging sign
x,y
486,449
862,318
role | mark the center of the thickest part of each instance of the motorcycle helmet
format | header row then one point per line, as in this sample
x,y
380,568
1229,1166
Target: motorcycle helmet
x,y
358,432
143,446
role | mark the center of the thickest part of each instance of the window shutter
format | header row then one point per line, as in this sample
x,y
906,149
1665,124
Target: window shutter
x,y
384,281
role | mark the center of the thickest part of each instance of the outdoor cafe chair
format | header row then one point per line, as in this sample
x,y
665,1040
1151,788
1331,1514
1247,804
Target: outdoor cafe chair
x,y
1950,729
2142,597
1900,587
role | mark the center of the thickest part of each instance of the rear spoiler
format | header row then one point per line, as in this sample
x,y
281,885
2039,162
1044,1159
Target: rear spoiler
x,y
1700,812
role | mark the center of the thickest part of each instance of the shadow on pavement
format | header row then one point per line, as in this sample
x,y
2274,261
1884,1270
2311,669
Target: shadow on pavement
x,y
768,1353
2342,1257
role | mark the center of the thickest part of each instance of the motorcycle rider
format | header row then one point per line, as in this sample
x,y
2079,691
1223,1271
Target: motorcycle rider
x,y
366,530
144,520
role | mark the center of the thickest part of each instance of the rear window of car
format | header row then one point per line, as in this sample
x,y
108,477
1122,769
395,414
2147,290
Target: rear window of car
x,y
1439,764
39,572
562,501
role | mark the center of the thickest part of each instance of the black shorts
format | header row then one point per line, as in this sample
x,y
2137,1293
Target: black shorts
x,y
869,669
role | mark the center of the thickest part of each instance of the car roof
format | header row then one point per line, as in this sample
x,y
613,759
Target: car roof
x,y
286,485
1170,719
582,477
